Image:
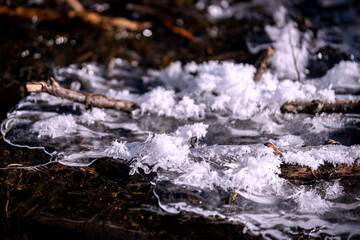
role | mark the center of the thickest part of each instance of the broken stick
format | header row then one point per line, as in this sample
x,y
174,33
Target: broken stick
x,y
317,106
262,63
90,100
92,18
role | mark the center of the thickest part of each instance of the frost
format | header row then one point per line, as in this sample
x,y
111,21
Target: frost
x,y
117,150
158,100
56,126
291,54
163,103
315,156
186,132
343,76
93,115
166,151
310,202
236,92
290,140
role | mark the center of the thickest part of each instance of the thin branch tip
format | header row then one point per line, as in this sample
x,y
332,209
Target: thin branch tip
x,y
90,100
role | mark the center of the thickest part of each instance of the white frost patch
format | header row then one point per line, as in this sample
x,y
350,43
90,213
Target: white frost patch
x,y
117,150
54,127
93,115
311,202
315,156
260,174
223,87
334,190
161,151
164,103
323,124
344,75
291,54
186,132
290,140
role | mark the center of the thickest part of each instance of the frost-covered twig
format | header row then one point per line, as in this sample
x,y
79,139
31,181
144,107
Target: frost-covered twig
x,y
325,171
317,106
262,63
90,100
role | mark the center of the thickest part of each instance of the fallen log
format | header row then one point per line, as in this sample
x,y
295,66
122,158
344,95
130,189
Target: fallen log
x,y
317,106
90,100
326,171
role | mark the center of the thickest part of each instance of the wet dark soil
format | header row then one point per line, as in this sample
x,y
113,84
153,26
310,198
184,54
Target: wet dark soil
x,y
102,201
97,202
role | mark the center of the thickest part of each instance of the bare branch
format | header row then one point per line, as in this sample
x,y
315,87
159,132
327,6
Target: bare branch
x,y
276,150
181,31
262,63
90,100
317,106
76,6
294,57
92,18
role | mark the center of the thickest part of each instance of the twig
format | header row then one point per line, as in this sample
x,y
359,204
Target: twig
x,y
76,6
325,171
95,18
262,63
181,31
294,57
156,12
331,142
92,18
7,198
317,106
88,99
276,150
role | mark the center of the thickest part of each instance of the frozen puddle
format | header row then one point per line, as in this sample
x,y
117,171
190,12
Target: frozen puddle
x,y
202,127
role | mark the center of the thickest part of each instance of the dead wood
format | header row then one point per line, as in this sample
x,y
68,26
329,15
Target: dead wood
x,y
317,106
276,150
90,100
325,171
262,63
92,18
181,31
